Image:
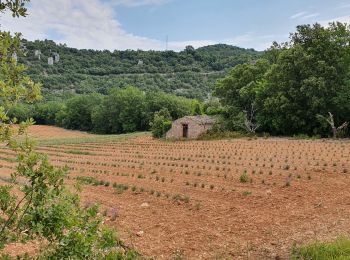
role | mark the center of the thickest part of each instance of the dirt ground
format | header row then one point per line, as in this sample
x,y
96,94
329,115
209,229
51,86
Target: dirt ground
x,y
187,198
50,132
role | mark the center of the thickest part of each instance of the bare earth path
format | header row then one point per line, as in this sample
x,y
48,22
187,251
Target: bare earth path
x,y
186,198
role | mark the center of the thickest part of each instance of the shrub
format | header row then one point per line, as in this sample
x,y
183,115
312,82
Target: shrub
x,y
120,188
244,178
161,123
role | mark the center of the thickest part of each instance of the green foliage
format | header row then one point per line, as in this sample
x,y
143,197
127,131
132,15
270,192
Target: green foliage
x,y
16,7
239,88
120,188
78,110
43,209
189,74
294,83
21,112
244,178
337,250
161,123
15,86
123,110
196,108
213,107
87,239
87,180
46,113
177,106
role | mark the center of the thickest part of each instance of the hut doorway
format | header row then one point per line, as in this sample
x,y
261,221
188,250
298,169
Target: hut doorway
x,y
185,130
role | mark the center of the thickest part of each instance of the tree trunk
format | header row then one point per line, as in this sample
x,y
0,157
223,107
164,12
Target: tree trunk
x,y
334,130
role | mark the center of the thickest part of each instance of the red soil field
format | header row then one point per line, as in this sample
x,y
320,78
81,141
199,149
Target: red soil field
x,y
187,198
49,132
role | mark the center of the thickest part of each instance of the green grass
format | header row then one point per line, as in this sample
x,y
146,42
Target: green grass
x,y
92,139
337,250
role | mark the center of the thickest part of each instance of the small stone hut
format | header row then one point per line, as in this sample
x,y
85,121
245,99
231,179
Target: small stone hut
x,y
190,127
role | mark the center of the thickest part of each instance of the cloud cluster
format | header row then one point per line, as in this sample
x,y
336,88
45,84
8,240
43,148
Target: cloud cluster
x,y
93,24
82,24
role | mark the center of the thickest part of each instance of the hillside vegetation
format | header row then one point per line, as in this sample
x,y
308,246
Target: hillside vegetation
x,y
190,73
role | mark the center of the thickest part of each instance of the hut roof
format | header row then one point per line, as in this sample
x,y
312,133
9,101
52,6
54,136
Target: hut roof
x,y
203,120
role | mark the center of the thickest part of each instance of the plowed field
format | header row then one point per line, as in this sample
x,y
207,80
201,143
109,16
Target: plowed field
x,y
229,199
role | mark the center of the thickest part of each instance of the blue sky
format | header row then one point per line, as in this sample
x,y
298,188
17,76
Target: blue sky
x,y
144,24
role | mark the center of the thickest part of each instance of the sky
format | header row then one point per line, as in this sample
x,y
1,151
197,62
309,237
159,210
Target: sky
x,y
146,24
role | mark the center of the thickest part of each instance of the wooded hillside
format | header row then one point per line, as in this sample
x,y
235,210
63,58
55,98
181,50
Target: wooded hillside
x,y
190,73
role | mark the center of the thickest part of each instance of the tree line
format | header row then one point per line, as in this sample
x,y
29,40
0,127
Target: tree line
x,y
120,111
298,87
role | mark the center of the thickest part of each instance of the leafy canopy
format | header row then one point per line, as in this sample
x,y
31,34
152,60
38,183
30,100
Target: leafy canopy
x,y
294,82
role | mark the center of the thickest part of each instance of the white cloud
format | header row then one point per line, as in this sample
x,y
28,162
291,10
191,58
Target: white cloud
x,y
303,16
92,24
80,23
297,15
309,16
136,3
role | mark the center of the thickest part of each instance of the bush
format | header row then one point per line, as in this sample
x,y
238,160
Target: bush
x,y
161,123
244,178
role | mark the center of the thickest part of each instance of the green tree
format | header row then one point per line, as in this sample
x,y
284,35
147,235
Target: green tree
x,y
122,111
309,78
296,82
161,123
177,106
190,50
46,112
238,91
47,210
196,108
213,107
78,111
21,112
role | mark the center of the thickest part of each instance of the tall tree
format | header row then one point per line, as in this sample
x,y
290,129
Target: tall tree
x,y
238,91
299,80
309,78
123,110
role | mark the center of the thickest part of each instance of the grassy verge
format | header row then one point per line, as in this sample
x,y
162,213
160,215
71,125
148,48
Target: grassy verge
x,y
337,250
92,139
